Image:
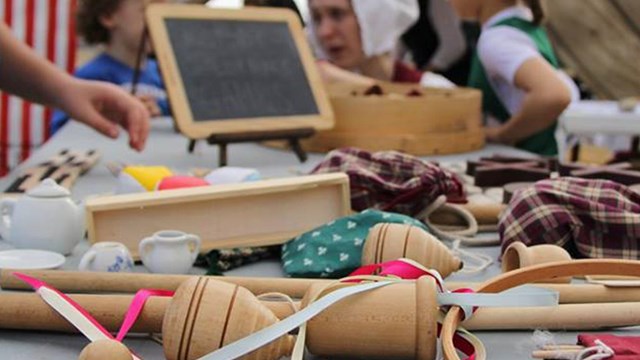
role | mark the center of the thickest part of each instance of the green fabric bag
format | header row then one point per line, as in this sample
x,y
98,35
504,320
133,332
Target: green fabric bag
x,y
334,250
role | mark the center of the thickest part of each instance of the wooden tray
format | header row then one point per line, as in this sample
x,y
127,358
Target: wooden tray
x,y
250,214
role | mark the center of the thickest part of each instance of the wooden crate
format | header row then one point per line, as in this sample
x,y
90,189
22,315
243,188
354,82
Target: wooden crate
x,y
250,214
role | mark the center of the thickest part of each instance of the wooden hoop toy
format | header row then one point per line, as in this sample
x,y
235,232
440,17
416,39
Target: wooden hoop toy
x,y
526,275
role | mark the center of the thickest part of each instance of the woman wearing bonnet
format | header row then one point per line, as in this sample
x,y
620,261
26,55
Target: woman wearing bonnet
x,y
357,39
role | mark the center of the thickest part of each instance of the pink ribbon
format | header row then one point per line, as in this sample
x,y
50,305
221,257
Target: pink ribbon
x,y
137,304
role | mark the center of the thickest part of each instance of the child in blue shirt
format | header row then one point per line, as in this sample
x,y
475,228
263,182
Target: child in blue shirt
x,y
118,25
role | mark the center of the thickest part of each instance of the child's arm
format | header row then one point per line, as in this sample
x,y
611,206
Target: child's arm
x,y
98,105
547,96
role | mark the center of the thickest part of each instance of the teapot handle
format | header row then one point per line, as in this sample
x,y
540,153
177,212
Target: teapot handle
x,y
5,221
144,255
86,260
194,240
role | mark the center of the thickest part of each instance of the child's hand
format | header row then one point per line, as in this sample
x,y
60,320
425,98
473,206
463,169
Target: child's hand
x,y
105,106
150,103
494,135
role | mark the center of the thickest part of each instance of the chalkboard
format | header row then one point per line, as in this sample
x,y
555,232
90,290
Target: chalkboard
x,y
234,70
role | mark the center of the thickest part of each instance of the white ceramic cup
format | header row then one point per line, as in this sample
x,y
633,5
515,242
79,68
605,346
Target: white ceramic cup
x,y
107,257
169,252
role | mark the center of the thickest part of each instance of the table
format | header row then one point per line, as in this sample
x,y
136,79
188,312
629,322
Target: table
x,y
165,147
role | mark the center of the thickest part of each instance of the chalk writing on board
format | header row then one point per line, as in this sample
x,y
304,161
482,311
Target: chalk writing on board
x,y
240,69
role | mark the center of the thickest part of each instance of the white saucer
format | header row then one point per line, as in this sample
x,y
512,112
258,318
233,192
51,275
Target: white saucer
x,y
30,259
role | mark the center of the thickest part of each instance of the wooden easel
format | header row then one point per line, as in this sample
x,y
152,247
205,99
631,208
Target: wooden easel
x,y
293,138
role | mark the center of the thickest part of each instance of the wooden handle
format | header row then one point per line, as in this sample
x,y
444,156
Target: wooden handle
x,y
30,312
102,282
561,317
530,274
127,283
485,214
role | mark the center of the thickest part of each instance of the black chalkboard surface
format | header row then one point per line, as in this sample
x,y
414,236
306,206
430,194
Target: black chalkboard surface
x,y
233,71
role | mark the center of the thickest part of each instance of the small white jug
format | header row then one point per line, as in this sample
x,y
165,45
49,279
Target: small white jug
x,y
169,252
107,257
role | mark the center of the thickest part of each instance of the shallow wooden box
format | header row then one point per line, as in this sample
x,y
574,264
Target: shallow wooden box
x,y
438,122
226,216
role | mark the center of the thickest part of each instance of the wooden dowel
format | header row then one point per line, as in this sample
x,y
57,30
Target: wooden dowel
x,y
78,282
562,317
485,214
30,312
97,282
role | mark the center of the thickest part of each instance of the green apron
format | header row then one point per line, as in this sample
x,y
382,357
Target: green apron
x,y
544,142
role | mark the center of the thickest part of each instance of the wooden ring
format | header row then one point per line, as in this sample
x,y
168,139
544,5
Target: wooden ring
x,y
531,274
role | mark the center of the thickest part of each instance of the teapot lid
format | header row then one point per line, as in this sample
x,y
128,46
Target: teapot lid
x,y
48,188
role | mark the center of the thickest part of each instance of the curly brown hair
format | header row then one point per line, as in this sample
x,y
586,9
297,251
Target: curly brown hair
x,y
88,19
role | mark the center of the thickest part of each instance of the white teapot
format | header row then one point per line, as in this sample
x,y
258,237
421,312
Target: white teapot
x,y
45,218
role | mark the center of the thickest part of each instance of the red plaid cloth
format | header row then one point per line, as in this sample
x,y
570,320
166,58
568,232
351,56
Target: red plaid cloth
x,y
589,218
390,180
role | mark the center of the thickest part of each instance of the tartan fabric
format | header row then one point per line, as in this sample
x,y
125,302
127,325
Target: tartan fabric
x,y
589,218
391,181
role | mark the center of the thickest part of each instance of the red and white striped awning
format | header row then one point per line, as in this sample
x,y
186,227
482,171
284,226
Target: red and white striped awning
x,y
48,26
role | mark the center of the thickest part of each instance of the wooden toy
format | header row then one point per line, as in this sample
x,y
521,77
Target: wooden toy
x,y
510,189
65,167
535,273
205,315
518,256
128,283
105,350
227,216
623,173
498,171
265,85
387,242
437,122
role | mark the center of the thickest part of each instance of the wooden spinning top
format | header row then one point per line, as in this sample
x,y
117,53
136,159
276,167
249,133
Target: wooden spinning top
x,y
387,242
206,315
105,350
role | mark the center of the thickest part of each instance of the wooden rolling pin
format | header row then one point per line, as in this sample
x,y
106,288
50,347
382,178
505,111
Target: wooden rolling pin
x,y
129,283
